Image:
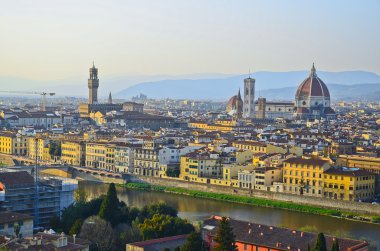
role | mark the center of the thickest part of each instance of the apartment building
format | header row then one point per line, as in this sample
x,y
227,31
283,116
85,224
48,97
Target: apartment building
x,y
13,143
73,153
350,184
304,176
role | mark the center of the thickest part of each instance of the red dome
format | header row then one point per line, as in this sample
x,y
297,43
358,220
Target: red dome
x,y
312,86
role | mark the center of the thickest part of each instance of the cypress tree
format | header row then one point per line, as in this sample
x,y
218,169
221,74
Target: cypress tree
x,y
109,210
335,246
320,245
193,242
225,237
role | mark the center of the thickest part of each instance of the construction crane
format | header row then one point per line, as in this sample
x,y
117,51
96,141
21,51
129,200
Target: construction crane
x,y
43,94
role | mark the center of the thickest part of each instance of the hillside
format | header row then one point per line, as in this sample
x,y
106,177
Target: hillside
x,y
273,85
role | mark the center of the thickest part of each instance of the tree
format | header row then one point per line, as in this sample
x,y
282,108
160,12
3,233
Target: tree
x,y
194,242
335,246
320,245
55,148
109,210
99,233
164,225
80,195
225,237
76,227
16,229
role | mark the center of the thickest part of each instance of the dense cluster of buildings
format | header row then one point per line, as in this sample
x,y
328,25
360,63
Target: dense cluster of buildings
x,y
303,147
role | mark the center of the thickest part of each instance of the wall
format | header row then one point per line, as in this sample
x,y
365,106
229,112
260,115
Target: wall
x,y
358,207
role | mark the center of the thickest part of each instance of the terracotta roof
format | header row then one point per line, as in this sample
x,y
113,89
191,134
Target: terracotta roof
x,y
7,216
12,179
276,237
160,240
312,86
355,172
303,161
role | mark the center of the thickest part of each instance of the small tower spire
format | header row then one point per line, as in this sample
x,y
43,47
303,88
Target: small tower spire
x,y
313,71
239,96
93,64
110,98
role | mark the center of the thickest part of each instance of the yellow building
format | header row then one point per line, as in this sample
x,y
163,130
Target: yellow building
x,y
350,184
253,146
42,149
100,155
199,167
304,176
73,153
13,143
370,164
98,117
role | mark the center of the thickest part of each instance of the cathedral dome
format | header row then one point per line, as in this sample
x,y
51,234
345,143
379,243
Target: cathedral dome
x,y
232,103
312,86
235,105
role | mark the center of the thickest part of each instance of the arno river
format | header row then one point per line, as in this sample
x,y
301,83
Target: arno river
x,y
196,209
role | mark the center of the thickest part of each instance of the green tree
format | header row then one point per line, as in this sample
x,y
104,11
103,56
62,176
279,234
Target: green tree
x,y
17,229
76,227
335,246
109,210
320,245
194,242
80,195
225,237
164,225
177,249
55,148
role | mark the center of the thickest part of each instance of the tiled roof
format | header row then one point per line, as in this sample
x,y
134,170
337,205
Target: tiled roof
x,y
276,237
11,179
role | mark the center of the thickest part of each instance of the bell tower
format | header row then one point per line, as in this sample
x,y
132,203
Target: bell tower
x,y
93,84
249,98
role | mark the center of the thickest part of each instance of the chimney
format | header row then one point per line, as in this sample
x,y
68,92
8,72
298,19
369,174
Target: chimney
x,y
249,231
302,234
277,245
74,235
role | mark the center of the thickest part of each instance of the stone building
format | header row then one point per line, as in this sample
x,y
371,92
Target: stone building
x,y
249,98
312,99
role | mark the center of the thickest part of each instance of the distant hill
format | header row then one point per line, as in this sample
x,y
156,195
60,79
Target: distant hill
x,y
364,92
273,85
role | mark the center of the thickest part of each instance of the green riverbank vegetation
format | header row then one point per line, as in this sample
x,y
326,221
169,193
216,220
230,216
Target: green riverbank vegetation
x,y
255,202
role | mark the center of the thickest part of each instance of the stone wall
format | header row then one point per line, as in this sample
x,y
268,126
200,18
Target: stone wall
x,y
349,206
357,207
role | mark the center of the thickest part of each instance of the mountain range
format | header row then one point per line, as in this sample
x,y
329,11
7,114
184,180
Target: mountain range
x,y
346,85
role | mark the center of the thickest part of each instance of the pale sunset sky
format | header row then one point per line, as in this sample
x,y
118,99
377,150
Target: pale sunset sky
x,y
47,39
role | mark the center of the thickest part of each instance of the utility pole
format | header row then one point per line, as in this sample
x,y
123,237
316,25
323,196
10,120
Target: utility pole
x,y
36,196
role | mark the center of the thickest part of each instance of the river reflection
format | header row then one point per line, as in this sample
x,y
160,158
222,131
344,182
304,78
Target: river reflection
x,y
195,209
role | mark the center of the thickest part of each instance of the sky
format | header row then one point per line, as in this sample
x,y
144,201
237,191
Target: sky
x,y
50,40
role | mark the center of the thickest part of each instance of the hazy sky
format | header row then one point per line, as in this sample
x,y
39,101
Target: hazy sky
x,y
47,39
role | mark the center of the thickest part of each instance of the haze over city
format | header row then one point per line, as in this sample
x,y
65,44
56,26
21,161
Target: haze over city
x,y
48,40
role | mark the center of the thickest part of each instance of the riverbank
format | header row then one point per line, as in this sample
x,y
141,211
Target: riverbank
x,y
255,202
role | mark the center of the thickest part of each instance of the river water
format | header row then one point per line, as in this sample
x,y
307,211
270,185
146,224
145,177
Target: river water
x,y
196,209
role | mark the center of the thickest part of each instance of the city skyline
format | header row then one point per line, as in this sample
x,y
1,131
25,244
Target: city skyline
x,y
50,41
